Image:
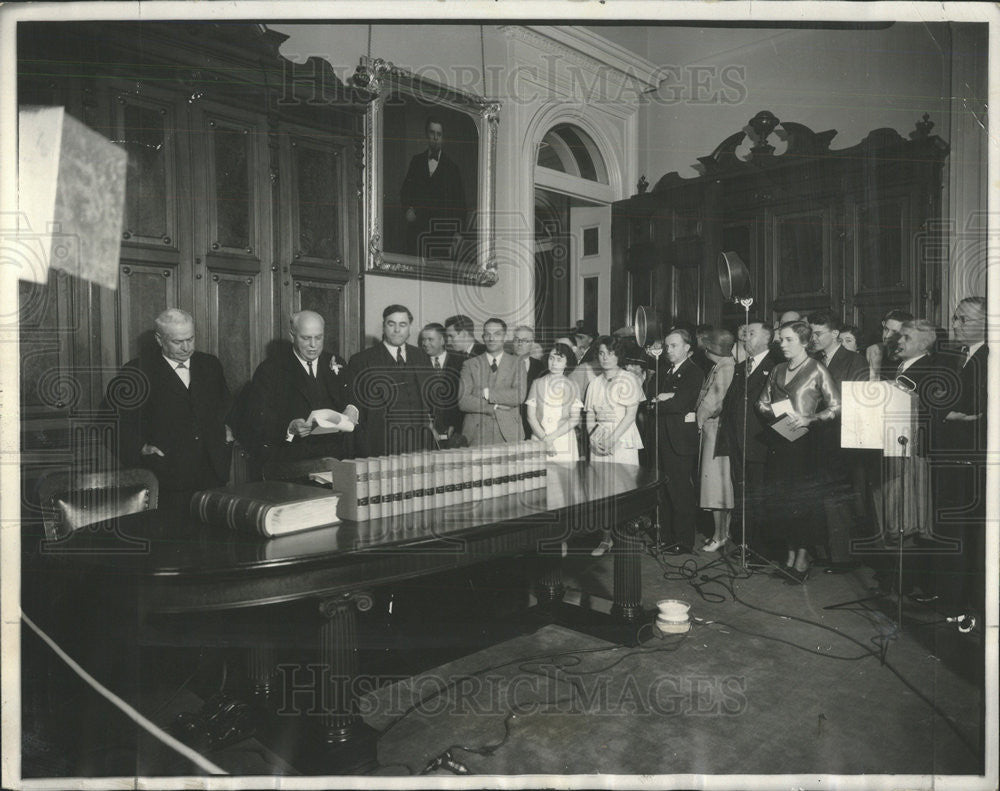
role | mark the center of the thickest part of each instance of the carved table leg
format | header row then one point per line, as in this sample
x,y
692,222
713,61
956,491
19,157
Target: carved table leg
x,y
549,586
348,745
628,572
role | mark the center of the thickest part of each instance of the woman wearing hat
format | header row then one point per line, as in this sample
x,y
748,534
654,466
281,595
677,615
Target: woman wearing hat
x,y
716,487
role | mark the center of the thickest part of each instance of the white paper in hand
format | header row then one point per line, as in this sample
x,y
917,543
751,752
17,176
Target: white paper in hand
x,y
329,421
781,407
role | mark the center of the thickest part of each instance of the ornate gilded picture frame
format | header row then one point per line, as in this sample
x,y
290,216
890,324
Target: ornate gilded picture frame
x,y
430,184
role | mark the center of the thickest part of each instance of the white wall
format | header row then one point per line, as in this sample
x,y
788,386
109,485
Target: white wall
x,y
850,81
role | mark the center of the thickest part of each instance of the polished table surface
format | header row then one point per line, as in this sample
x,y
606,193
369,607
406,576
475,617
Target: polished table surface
x,y
180,564
162,562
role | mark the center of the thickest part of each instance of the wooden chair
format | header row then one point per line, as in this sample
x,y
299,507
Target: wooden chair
x,y
71,501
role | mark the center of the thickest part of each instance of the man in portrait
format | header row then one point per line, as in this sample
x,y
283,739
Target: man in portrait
x,y
433,198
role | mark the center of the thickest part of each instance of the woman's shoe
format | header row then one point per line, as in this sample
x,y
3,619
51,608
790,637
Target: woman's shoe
x,y
715,546
600,549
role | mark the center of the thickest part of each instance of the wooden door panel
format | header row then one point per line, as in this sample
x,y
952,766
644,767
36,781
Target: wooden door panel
x,y
235,327
144,291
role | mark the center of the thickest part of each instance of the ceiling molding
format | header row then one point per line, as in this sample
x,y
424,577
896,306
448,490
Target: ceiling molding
x,y
590,50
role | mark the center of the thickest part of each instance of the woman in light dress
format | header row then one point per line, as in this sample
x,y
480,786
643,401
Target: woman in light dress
x,y
553,406
715,492
612,402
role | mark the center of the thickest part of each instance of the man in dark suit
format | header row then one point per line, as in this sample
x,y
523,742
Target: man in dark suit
x,y
524,339
387,382
844,469
433,198
445,384
493,389
176,427
583,335
676,397
459,332
287,387
959,467
749,378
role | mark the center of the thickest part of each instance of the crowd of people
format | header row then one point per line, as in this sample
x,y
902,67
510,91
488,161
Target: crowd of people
x,y
743,427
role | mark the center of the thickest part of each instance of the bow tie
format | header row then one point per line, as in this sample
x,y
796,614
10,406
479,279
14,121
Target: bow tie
x,y
433,156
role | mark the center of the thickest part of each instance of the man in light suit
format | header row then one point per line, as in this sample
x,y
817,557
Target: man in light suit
x,y
445,384
387,382
493,389
678,443
178,428
287,387
433,198
748,382
845,480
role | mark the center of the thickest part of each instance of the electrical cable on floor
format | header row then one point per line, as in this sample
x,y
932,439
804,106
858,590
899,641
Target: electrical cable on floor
x,y
881,641
446,760
196,758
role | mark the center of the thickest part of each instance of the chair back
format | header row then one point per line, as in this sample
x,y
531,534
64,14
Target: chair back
x,y
71,501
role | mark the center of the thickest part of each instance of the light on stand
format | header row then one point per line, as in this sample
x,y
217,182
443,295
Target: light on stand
x,y
734,282
649,328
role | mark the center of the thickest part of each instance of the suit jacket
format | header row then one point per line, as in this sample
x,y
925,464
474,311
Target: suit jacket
x,y
677,434
487,423
535,369
971,401
186,423
437,196
282,391
730,437
392,400
847,366
443,391
930,375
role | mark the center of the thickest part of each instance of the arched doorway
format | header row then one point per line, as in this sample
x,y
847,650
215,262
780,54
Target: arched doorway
x,y
572,199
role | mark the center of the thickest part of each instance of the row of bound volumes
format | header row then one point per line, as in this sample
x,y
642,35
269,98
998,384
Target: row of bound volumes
x,y
385,486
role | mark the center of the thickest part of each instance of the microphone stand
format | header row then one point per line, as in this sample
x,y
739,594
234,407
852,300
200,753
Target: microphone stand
x,y
656,352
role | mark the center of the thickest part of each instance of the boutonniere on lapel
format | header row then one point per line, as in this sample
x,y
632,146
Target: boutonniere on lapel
x,y
335,366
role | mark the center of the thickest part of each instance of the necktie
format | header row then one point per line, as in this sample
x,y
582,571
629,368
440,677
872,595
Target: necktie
x,y
312,373
184,373
493,365
749,366
437,362
965,352
400,360
433,156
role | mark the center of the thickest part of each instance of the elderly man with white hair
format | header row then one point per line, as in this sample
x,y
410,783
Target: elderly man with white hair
x,y
287,387
175,426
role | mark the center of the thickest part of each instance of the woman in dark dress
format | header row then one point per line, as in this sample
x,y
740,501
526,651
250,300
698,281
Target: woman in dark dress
x,y
802,389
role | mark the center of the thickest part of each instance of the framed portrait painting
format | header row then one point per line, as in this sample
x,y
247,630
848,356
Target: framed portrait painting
x,y
429,177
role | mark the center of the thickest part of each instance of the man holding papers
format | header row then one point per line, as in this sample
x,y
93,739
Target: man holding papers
x,y
285,391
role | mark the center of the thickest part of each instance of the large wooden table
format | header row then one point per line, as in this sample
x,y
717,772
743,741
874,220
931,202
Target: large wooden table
x,y
169,564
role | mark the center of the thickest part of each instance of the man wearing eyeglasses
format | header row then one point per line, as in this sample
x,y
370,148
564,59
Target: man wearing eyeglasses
x,y
959,466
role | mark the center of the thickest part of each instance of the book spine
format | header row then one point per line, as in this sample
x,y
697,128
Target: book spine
x,y
374,488
477,474
418,481
234,511
406,483
395,486
489,490
439,482
361,491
